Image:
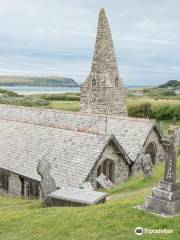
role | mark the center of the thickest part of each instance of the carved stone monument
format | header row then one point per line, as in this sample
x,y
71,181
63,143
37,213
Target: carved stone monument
x,y
147,166
173,129
47,184
165,199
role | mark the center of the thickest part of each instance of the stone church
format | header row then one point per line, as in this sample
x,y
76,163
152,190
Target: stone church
x,y
101,138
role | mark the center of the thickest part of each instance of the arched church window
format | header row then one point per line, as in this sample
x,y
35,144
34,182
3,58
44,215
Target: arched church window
x,y
116,82
107,168
152,150
94,82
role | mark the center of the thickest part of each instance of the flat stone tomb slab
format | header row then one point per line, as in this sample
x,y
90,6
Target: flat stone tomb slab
x,y
78,196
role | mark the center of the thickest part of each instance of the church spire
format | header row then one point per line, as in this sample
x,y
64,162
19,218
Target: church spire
x,y
103,91
104,65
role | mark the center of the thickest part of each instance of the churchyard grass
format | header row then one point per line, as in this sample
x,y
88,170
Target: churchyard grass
x,y
115,220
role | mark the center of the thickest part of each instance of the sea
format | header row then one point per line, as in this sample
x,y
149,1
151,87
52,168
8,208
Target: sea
x,y
27,90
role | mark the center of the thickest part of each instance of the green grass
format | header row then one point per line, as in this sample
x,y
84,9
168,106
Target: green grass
x,y
66,105
167,124
138,101
115,220
70,105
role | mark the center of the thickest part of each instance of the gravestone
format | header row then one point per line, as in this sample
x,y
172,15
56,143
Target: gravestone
x,y
147,166
67,195
74,196
104,181
165,199
173,129
47,184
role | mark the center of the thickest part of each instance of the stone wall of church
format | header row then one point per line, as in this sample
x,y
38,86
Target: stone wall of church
x,y
160,154
121,167
14,184
104,100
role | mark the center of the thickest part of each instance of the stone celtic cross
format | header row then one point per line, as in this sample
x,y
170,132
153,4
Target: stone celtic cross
x,y
170,164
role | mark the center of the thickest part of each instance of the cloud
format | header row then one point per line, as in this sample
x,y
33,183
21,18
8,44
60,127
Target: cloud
x,y
58,37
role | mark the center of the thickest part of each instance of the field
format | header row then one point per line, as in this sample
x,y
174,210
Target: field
x,y
75,105
153,101
66,105
115,220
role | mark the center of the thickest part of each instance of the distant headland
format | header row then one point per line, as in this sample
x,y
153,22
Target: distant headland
x,y
34,81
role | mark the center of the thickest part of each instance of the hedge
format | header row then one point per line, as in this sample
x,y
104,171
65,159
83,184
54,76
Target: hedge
x,y
159,112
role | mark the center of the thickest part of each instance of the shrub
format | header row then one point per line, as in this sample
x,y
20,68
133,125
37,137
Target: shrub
x,y
8,93
143,110
61,97
24,101
159,112
160,93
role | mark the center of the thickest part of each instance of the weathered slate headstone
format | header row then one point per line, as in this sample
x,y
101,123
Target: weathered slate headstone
x,y
47,184
165,199
104,181
173,129
147,166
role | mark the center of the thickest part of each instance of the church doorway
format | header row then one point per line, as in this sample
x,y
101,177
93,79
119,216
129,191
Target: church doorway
x,y
107,168
152,150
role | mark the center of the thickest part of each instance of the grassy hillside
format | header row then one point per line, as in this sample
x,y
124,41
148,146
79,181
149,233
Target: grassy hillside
x,y
115,220
51,81
171,84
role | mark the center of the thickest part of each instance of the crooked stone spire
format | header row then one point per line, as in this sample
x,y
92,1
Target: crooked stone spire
x,y
104,65
103,91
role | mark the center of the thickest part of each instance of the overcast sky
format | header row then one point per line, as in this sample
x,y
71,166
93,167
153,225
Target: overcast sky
x,y
57,37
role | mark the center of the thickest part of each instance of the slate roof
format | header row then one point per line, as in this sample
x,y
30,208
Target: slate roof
x,y
131,133
72,154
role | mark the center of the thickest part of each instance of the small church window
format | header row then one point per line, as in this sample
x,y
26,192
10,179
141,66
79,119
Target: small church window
x,y
152,150
32,189
29,188
94,82
116,82
4,181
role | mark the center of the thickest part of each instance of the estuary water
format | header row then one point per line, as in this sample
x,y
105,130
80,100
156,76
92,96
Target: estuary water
x,y
27,90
